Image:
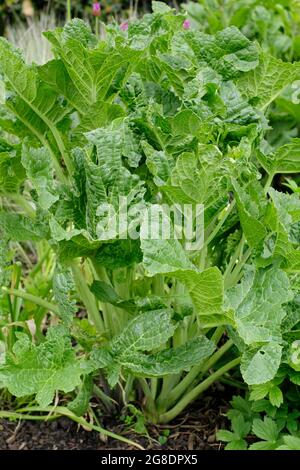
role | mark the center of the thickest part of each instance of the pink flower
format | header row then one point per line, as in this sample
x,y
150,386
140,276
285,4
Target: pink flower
x,y
124,26
186,24
96,9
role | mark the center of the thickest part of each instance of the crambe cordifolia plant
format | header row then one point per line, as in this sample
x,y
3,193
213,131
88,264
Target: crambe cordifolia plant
x,y
167,117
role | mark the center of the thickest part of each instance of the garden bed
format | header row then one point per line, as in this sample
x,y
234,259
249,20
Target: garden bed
x,y
195,429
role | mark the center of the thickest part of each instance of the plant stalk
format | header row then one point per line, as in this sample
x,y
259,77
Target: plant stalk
x,y
193,394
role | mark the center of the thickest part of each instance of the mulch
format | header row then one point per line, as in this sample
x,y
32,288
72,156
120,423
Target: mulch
x,y
195,429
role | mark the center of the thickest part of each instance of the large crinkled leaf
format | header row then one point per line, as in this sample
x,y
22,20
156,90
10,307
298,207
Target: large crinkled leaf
x,y
238,110
107,181
265,82
258,304
44,369
286,159
167,256
20,228
206,289
164,256
170,361
63,286
261,364
159,163
119,254
195,179
92,70
39,169
229,52
250,212
160,7
55,75
12,173
147,331
81,402
284,221
288,210
37,106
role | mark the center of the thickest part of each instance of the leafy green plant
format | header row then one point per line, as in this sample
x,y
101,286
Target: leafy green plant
x,y
159,115
274,24
257,424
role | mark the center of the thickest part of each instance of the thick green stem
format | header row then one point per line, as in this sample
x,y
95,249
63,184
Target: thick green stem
x,y
69,15
22,202
87,298
217,335
32,298
193,394
216,230
40,263
108,402
97,27
151,408
268,182
158,285
188,380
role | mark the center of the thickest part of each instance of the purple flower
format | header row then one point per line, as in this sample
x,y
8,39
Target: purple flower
x,y
186,24
96,9
124,26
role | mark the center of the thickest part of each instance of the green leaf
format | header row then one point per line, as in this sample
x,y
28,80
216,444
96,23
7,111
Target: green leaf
x,y
160,7
225,436
195,179
250,213
63,286
264,445
145,332
20,228
39,169
36,105
108,181
81,402
170,361
12,173
44,369
258,392
237,444
229,52
265,82
276,396
257,302
105,293
206,289
265,429
75,45
164,256
159,163
290,443
260,365
240,427
286,159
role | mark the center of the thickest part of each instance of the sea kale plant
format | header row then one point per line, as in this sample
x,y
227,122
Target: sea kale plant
x,y
154,117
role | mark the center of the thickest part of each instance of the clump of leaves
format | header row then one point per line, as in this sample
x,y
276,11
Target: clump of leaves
x,y
259,424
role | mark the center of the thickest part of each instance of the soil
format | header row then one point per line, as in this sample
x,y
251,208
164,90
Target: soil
x,y
194,430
